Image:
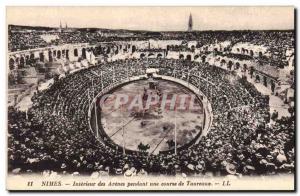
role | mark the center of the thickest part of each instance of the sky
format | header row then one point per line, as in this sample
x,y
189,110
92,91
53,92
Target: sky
x,y
156,18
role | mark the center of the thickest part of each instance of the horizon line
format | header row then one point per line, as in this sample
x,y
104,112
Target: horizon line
x,y
71,27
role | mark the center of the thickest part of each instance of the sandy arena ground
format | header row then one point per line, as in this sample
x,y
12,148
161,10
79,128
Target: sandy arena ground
x,y
155,126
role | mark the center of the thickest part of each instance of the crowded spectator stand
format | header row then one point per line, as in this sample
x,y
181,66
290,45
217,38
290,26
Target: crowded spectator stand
x,y
54,134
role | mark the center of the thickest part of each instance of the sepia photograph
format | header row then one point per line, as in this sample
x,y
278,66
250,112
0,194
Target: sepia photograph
x,y
191,98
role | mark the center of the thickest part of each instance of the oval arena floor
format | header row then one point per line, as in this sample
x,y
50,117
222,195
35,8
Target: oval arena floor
x,y
132,123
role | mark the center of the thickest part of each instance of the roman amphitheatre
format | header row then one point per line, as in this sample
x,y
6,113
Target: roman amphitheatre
x,y
242,83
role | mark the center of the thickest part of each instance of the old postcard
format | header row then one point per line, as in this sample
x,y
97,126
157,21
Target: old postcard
x,y
151,98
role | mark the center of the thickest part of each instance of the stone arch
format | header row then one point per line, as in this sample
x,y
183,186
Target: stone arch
x,y
159,55
223,62
42,58
22,62
181,56
58,54
63,52
96,51
260,54
203,58
67,54
229,66
272,86
265,82
150,54
237,65
83,53
17,61
50,56
142,55
245,67
27,59
251,71
251,53
243,50
133,48
168,47
11,64
75,52
188,57
31,59
108,49
31,56
193,48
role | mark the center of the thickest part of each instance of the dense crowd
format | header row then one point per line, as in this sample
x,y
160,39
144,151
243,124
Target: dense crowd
x,y
276,41
54,134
